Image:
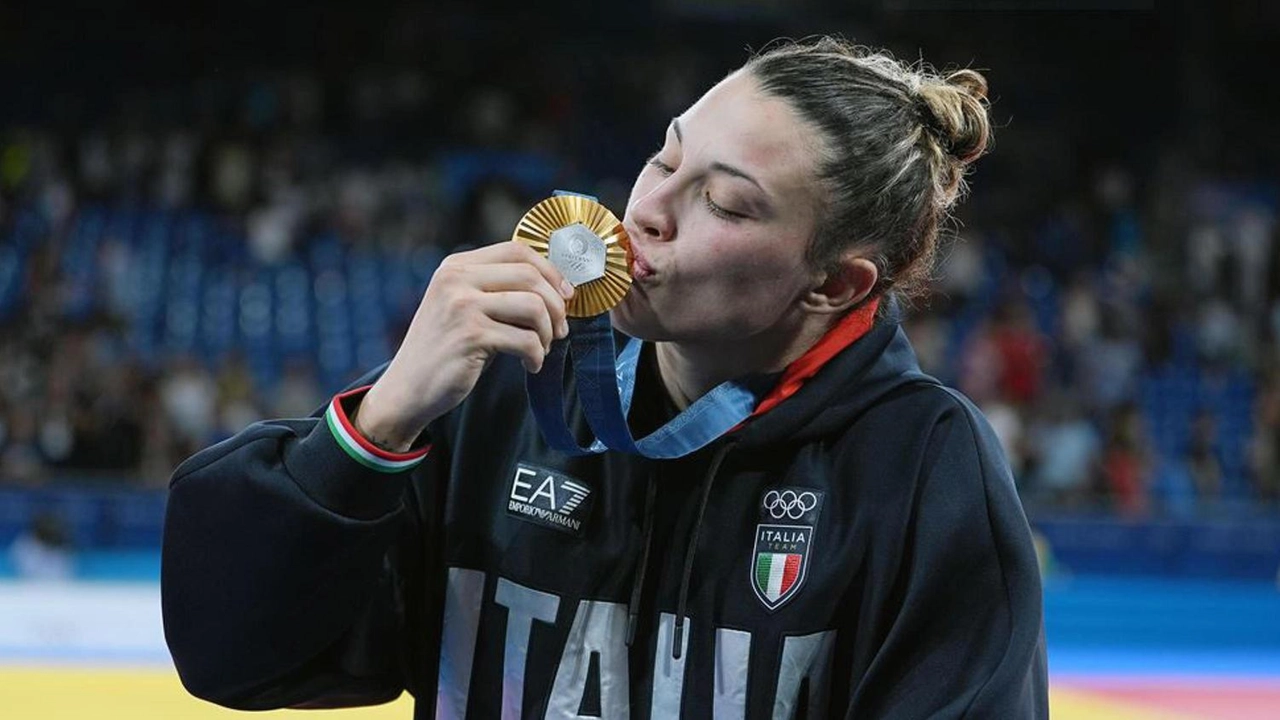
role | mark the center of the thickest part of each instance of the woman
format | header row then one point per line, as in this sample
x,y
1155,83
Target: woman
x,y
855,548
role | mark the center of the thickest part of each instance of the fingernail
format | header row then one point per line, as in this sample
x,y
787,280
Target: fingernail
x,y
566,289
564,328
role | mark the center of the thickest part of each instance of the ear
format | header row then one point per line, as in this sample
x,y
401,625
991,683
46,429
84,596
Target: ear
x,y
843,287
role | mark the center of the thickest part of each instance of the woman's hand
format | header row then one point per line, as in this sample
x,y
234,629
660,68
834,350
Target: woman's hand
x,y
503,298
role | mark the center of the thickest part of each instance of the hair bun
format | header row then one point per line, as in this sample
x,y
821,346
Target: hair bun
x,y
971,80
956,110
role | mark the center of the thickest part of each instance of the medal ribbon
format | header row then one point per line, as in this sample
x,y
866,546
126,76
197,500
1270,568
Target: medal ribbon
x,y
605,390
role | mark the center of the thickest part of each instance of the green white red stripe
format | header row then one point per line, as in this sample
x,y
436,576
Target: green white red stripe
x,y
776,573
360,449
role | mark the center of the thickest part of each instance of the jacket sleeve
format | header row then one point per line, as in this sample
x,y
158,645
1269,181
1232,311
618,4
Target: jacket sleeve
x,y
965,637
281,570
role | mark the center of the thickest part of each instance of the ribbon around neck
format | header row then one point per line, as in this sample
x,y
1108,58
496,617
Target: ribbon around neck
x,y
606,388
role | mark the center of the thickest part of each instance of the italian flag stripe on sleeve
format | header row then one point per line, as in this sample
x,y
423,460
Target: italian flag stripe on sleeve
x,y
359,448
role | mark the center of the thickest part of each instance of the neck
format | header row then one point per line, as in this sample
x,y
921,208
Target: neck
x,y
691,370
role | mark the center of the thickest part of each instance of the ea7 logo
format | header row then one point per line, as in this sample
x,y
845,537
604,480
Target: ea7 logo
x,y
549,498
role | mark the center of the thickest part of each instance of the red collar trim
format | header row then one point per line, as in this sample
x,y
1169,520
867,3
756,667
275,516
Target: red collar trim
x,y
845,333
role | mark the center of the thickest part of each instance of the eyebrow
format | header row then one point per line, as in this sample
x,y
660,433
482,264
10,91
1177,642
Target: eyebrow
x,y
719,166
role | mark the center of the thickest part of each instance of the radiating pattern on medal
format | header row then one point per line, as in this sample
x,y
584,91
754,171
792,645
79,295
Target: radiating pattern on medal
x,y
588,245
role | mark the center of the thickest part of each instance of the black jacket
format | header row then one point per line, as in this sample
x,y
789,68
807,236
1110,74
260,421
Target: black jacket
x,y
859,551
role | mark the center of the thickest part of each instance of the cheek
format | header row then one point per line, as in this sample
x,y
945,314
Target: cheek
x,y
720,285
761,275
764,260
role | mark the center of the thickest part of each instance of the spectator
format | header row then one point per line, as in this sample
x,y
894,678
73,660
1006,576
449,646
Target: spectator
x,y
1265,445
43,552
1109,367
1219,333
20,460
1081,323
1023,353
1068,453
297,394
980,368
1124,463
1203,460
929,334
237,393
189,399
1007,422
962,270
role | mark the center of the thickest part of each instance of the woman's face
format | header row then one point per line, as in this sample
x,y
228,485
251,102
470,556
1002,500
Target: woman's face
x,y
719,220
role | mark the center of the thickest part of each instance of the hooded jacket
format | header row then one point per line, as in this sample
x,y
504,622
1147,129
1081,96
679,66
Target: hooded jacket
x,y
857,551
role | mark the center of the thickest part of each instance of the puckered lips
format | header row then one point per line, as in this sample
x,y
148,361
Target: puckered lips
x,y
640,267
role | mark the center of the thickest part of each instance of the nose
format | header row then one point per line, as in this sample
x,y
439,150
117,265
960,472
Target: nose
x,y
651,216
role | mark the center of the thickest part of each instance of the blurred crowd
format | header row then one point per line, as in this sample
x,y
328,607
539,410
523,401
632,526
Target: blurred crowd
x,y
1118,322
1145,379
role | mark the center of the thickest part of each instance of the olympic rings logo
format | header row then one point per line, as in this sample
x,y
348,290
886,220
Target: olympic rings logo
x,y
789,503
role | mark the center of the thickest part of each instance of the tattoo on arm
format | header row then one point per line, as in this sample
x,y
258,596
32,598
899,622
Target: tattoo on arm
x,y
378,442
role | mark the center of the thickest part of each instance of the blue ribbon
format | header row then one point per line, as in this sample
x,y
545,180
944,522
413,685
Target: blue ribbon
x,y
605,390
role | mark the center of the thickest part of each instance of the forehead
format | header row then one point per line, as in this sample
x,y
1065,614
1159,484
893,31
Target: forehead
x,y
736,123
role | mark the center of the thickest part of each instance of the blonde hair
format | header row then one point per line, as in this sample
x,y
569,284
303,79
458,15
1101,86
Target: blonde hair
x,y
898,142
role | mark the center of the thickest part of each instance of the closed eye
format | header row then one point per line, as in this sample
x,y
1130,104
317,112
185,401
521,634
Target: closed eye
x,y
662,167
721,212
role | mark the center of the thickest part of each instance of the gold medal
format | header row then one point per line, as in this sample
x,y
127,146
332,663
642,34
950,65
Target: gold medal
x,y
587,244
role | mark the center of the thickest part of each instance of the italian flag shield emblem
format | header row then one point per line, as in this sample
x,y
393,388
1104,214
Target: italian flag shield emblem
x,y
780,562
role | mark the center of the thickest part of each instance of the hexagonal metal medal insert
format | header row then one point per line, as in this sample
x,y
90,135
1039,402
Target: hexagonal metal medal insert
x,y
578,253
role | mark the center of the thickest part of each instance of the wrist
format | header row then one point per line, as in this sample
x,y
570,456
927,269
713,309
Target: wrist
x,y
383,424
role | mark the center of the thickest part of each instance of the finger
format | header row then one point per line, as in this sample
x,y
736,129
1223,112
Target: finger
x,y
513,251
519,276
522,309
519,342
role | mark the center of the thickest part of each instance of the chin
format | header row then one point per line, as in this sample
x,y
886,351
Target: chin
x,y
636,318
624,319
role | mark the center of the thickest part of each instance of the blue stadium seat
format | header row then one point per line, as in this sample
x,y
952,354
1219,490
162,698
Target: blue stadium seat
x,y
12,270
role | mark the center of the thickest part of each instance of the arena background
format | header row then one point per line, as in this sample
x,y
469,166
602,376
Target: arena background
x,y
211,215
